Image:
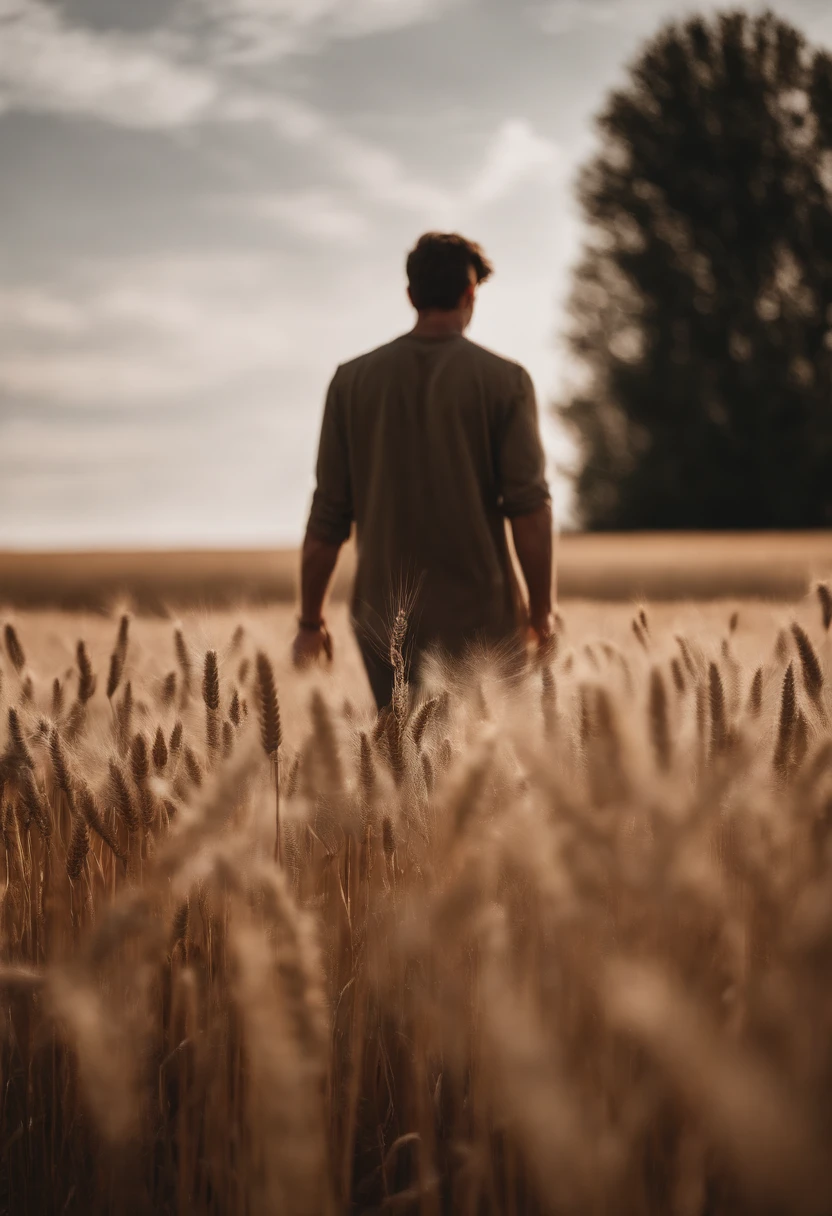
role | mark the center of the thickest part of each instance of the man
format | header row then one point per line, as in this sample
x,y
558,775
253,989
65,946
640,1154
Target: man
x,y
428,445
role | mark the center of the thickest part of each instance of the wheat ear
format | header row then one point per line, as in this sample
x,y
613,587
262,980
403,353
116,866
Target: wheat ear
x,y
716,697
89,809
825,599
160,751
271,734
809,663
86,676
786,724
659,723
13,648
211,697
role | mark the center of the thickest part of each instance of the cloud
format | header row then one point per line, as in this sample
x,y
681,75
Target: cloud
x,y
321,215
152,82
561,17
148,83
47,65
152,331
156,331
257,31
35,311
178,75
515,153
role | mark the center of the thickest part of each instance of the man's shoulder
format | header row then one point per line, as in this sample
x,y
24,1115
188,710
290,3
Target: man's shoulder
x,y
496,364
378,354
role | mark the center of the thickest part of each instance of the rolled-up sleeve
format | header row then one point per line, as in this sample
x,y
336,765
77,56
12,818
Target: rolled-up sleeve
x,y
330,518
522,462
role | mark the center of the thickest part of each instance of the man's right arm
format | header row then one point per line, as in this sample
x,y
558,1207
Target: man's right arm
x,y
330,520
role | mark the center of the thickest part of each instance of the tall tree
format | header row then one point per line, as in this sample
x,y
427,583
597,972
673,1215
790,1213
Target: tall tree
x,y
701,312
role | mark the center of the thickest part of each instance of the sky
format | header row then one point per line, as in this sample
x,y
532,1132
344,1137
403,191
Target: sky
x,y
205,206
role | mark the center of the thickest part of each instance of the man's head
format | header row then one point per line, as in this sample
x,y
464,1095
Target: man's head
x,y
443,273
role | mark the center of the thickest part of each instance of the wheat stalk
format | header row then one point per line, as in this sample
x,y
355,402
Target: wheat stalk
x,y
57,698
548,701
659,721
160,750
211,698
401,692
755,694
121,797
168,691
786,723
185,666
716,701
14,648
88,807
810,664
175,741
271,734
79,847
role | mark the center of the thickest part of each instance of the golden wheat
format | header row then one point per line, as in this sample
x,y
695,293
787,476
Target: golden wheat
x,y
555,943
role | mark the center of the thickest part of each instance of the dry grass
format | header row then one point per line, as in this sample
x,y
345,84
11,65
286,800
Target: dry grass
x,y
562,945
658,566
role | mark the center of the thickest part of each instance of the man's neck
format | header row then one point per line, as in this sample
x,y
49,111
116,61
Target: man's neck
x,y
438,325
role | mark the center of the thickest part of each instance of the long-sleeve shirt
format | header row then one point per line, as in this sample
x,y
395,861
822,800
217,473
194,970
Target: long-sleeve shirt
x,y
428,445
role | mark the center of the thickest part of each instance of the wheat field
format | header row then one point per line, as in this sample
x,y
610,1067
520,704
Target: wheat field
x,y
560,943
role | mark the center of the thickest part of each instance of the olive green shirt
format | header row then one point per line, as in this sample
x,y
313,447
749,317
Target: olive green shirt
x,y
428,444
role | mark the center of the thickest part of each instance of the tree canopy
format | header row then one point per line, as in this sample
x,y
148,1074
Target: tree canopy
x,y
701,310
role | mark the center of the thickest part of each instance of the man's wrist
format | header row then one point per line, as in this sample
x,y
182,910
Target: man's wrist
x,y
311,624
541,619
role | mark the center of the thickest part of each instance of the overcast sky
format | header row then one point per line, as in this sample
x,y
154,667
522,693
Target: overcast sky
x,y
205,205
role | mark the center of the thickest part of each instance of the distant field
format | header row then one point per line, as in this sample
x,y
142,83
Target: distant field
x,y
656,566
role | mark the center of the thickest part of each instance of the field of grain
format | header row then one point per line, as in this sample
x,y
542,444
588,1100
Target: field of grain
x,y
554,944
618,567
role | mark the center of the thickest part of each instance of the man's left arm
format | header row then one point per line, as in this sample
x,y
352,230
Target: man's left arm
x,y
526,502
330,520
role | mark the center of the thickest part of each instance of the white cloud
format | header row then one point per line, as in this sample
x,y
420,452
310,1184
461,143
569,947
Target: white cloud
x,y
149,82
515,153
179,75
564,16
35,311
379,175
252,31
321,215
152,332
48,65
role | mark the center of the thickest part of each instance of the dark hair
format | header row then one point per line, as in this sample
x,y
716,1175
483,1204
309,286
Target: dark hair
x,y
437,269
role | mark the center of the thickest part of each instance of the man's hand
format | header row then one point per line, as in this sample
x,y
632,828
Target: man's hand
x,y
310,646
317,564
543,635
533,544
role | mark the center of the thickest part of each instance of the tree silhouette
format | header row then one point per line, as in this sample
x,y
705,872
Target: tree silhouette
x,y
701,311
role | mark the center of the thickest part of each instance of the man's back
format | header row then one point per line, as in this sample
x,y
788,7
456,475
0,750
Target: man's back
x,y
428,444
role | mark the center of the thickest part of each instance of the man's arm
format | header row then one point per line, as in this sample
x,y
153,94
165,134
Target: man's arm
x,y
330,520
526,501
318,559
532,535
